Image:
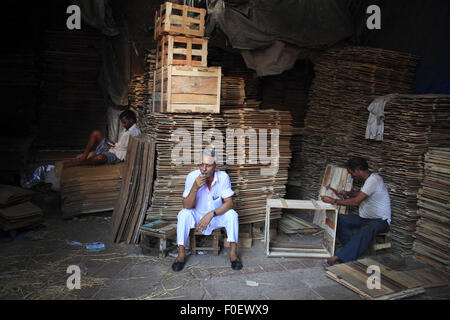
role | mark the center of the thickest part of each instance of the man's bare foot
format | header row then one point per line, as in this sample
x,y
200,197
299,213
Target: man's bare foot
x,y
332,261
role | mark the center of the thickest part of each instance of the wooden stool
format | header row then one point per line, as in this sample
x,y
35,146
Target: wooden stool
x,y
154,238
381,241
210,242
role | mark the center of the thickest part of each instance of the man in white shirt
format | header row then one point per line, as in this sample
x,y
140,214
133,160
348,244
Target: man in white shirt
x,y
207,205
108,152
374,212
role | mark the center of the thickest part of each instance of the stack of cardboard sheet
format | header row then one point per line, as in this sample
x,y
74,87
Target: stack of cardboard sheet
x,y
16,210
432,236
135,190
89,189
262,172
179,140
346,81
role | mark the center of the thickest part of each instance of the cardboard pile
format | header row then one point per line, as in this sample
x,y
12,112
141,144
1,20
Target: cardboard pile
x,y
262,173
432,236
16,210
89,189
347,81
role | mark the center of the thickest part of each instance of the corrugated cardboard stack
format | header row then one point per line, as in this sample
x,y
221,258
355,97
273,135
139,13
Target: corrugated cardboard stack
x,y
16,209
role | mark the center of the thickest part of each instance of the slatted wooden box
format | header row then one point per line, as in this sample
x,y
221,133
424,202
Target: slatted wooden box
x,y
187,89
179,19
179,50
325,250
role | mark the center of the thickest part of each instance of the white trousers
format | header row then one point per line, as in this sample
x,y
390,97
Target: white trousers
x,y
189,218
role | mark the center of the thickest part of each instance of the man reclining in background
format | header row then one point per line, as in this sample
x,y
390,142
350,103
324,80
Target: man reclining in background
x,y
106,152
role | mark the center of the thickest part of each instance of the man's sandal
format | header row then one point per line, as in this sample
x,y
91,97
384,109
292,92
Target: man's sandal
x,y
178,266
236,264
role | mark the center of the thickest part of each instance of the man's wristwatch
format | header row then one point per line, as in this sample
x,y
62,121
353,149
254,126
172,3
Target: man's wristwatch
x,y
214,213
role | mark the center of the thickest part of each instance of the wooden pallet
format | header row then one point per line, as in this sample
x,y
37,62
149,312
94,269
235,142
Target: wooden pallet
x,y
179,50
326,250
179,19
187,89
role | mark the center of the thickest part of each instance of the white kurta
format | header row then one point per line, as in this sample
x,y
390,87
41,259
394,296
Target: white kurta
x,y
206,201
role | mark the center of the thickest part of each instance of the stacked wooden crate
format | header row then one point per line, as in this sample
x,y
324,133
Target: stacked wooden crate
x,y
182,81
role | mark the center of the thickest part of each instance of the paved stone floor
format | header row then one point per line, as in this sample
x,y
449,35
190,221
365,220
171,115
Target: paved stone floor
x,y
34,266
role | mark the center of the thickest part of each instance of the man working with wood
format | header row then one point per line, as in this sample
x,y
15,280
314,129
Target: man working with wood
x,y
207,205
107,151
374,212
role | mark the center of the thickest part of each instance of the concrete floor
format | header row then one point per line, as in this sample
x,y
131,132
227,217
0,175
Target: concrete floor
x,y
35,267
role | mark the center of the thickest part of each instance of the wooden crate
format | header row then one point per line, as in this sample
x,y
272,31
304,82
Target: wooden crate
x,y
187,89
179,19
326,250
179,50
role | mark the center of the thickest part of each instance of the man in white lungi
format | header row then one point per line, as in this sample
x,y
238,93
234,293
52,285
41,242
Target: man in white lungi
x,y
207,205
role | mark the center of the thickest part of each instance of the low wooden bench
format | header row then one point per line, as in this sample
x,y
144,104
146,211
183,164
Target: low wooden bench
x,y
209,242
156,238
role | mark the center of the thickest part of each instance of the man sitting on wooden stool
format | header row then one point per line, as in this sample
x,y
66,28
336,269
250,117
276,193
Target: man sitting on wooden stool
x,y
107,151
374,212
207,206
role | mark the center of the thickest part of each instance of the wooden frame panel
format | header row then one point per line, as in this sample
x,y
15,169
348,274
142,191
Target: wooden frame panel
x,y
179,50
179,19
302,251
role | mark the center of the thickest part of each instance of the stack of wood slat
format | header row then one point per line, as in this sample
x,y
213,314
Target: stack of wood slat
x,y
16,209
233,65
432,236
251,185
170,175
413,123
346,81
397,279
232,92
147,97
135,190
89,189
72,103
292,223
